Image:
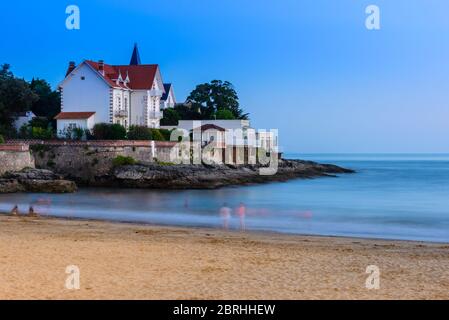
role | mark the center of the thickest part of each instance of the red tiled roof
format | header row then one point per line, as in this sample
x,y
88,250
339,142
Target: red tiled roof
x,y
74,115
141,76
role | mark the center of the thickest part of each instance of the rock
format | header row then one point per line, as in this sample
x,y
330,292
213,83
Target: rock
x,y
10,186
211,176
35,180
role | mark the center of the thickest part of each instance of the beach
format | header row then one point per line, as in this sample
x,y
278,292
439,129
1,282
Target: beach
x,y
136,261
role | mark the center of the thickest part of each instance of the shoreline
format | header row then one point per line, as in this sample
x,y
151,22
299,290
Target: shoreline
x,y
230,231
120,260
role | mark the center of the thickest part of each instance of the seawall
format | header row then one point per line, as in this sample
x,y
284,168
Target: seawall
x,y
15,157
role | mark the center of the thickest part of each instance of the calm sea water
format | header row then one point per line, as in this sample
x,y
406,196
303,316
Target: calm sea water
x,y
390,196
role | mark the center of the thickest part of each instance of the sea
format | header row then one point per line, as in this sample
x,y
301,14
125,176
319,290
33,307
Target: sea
x,y
391,196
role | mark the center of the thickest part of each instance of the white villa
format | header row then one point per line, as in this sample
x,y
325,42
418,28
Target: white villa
x,y
96,92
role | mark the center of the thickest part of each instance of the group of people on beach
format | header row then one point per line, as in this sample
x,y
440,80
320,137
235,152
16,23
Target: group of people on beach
x,y
226,214
31,212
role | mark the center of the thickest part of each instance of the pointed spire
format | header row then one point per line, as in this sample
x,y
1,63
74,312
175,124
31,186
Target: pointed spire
x,y
135,58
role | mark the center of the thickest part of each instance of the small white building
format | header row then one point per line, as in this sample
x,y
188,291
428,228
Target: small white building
x,y
67,121
124,94
23,118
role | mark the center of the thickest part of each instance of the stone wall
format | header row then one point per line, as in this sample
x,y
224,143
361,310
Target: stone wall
x,y
15,158
87,162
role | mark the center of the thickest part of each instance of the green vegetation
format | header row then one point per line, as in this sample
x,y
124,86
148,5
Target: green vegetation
x,y
139,133
107,131
208,101
123,161
157,135
51,163
18,96
2,140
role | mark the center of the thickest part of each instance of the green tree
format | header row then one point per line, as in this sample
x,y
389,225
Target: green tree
x,y
224,114
218,94
171,117
16,97
49,103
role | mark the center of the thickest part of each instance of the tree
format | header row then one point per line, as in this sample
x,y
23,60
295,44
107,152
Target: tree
x,y
16,97
224,114
171,117
49,103
218,94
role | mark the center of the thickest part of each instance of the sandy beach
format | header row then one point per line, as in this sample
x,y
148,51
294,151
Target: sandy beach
x,y
128,261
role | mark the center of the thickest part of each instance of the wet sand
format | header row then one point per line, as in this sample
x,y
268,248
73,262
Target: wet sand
x,y
129,261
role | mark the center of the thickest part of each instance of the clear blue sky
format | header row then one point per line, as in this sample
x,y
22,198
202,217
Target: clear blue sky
x,y
309,68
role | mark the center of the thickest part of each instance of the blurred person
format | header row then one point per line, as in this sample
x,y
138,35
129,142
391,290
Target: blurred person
x,y
241,213
15,211
225,214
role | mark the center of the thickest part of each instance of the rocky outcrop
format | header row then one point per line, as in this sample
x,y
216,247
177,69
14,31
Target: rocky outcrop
x,y
209,177
35,180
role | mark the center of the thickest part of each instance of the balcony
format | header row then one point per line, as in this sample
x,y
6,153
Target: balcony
x,y
156,93
121,113
156,115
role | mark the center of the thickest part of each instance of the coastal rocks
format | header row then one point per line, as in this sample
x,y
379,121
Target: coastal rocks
x,y
35,180
210,177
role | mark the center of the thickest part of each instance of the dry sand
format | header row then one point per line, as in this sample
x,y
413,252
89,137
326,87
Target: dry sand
x,y
130,261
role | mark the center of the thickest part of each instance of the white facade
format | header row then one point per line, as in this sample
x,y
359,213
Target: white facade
x,y
65,125
84,90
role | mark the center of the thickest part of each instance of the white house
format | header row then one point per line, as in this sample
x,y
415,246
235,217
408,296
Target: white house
x,y
67,121
168,99
23,119
124,94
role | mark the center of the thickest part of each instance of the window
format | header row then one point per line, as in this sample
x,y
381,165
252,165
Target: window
x,y
125,101
83,78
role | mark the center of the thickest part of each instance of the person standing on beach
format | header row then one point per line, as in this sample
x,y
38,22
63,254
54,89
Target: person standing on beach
x,y
31,212
241,213
225,214
15,211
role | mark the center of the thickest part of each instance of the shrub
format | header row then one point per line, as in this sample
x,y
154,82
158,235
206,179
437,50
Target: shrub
x,y
139,133
123,161
166,134
2,140
51,163
78,133
157,135
107,131
41,133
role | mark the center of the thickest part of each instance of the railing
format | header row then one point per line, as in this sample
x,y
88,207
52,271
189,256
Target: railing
x,y
121,113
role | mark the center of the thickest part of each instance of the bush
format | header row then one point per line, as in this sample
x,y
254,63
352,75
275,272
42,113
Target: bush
x,y
157,135
107,131
139,133
2,140
166,134
41,133
123,161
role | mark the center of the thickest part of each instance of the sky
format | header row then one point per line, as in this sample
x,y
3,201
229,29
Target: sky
x,y
309,68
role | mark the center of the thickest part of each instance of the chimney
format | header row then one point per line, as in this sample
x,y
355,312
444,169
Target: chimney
x,y
101,66
71,67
